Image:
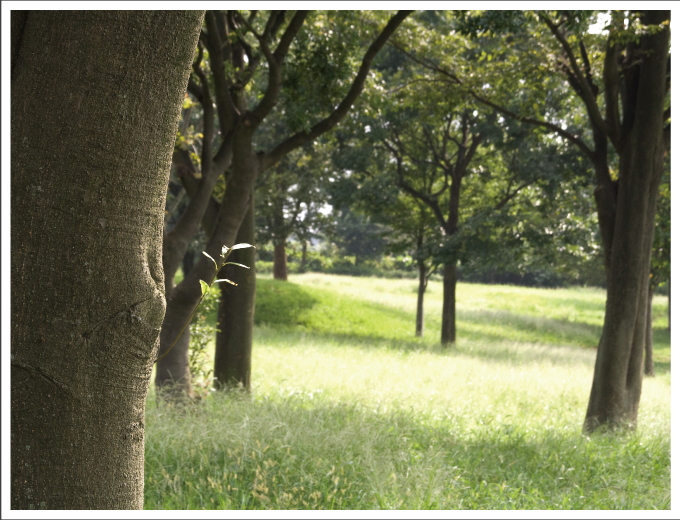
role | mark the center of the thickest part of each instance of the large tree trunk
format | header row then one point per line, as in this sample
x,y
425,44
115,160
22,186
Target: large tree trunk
x,y
280,262
234,341
617,382
422,286
449,308
649,337
96,97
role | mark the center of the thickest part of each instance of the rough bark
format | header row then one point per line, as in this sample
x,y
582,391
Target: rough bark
x,y
234,341
617,382
96,97
280,262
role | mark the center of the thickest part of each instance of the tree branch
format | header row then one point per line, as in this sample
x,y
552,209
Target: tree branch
x,y
302,138
529,120
611,91
587,94
275,62
226,110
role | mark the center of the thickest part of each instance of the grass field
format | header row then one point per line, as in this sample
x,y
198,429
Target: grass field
x,y
350,411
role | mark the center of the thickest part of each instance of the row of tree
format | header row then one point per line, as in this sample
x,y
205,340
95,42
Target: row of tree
x,y
473,141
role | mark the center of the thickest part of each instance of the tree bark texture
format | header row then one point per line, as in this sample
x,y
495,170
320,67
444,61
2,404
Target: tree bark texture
x,y
96,97
280,262
234,341
617,382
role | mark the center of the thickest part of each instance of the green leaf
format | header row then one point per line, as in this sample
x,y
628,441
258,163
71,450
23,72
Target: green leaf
x,y
204,287
225,280
234,263
211,258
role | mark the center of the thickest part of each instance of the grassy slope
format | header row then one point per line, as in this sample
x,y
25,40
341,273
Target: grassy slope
x,y
351,411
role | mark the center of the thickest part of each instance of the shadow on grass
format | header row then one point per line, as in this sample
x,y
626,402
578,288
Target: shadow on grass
x,y
291,308
489,353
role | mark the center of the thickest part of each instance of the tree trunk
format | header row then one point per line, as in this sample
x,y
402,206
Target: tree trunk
x,y
449,308
187,261
669,304
280,262
96,98
303,260
173,369
246,166
649,338
617,382
422,286
234,341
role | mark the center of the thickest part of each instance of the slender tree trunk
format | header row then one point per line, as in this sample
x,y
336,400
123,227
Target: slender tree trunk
x,y
234,342
303,260
617,382
96,97
449,308
649,338
422,286
280,262
246,166
173,369
669,304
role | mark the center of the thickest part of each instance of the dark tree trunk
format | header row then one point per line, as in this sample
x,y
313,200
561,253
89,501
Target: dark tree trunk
x,y
617,382
280,262
173,369
246,166
303,260
96,97
422,286
234,342
449,308
649,337
669,304
187,262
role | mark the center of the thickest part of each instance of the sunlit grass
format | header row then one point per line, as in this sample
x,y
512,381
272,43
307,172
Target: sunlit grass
x,y
361,418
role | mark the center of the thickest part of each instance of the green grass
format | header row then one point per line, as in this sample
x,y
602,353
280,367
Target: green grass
x,y
350,411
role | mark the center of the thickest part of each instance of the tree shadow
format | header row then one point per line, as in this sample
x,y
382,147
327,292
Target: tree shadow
x,y
278,303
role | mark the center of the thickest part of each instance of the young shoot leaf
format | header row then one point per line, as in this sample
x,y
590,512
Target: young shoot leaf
x,y
234,263
211,258
225,280
204,287
241,246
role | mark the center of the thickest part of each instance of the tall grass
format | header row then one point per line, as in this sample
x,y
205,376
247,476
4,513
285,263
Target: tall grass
x,y
350,411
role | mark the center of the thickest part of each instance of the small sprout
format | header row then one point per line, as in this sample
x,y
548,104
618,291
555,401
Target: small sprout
x,y
205,287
